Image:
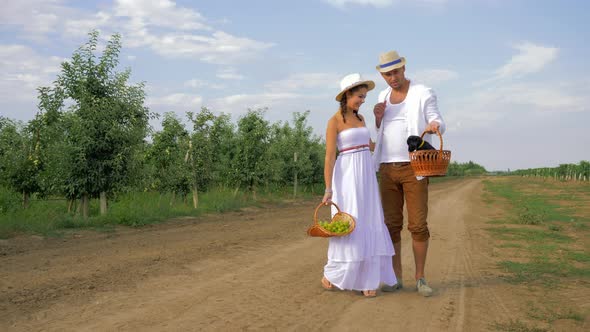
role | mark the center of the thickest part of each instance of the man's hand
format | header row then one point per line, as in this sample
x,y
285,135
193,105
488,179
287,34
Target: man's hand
x,y
379,110
432,127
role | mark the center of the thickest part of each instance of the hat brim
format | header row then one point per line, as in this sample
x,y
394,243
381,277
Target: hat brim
x,y
392,67
370,86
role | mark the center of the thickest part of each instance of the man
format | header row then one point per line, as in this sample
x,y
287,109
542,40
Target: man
x,y
405,108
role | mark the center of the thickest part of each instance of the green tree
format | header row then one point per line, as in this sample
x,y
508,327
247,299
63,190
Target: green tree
x,y
225,146
106,124
167,157
252,143
19,158
201,152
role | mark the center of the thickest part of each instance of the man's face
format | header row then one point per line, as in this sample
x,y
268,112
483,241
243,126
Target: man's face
x,y
395,78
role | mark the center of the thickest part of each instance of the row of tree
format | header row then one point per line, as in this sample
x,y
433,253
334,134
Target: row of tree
x,y
465,169
564,172
91,139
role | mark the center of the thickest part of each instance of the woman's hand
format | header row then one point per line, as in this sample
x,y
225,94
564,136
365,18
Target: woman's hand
x,y
327,198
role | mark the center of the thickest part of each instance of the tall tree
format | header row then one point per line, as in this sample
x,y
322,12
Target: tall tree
x,y
19,158
200,155
252,143
108,120
167,156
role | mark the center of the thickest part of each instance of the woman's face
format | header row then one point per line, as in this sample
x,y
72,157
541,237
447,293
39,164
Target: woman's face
x,y
355,99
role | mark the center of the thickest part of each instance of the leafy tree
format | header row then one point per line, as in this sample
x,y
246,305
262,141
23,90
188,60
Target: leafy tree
x,y
19,158
225,146
201,151
167,156
252,143
106,124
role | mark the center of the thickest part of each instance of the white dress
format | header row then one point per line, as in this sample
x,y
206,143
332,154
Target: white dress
x,y
362,259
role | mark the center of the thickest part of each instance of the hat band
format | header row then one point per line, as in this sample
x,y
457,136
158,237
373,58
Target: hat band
x,y
390,63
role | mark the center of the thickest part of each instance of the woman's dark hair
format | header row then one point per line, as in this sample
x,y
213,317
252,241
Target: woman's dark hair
x,y
343,108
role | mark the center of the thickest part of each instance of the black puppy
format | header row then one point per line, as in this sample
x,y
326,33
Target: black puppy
x,y
417,143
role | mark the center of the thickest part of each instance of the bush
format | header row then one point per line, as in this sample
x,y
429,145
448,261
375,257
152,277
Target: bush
x,y
9,201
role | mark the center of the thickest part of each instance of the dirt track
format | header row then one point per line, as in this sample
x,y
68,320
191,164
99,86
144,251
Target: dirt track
x,y
249,270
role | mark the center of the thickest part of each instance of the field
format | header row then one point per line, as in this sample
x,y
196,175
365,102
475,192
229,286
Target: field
x,y
506,254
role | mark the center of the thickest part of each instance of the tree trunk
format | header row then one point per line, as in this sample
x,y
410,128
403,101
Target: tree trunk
x,y
195,197
103,203
70,205
236,191
173,200
85,206
295,179
25,200
79,207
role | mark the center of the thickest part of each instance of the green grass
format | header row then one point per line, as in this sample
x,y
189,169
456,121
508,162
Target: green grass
x,y
511,245
553,313
50,217
516,326
541,269
530,208
540,243
545,238
528,234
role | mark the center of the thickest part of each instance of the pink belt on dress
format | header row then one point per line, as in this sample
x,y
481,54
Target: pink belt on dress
x,y
355,147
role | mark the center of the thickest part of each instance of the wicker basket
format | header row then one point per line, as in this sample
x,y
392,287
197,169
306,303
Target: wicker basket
x,y
317,231
430,162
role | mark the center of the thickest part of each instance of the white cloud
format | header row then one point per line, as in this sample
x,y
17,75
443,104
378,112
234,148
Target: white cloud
x,y
381,3
491,107
229,74
305,81
175,100
531,58
435,76
22,71
34,18
81,27
240,103
196,83
169,30
375,3
162,13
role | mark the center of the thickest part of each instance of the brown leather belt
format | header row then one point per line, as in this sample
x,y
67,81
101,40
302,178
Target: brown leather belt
x,y
397,163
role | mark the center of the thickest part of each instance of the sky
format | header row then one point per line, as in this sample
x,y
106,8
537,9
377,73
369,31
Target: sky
x,y
512,77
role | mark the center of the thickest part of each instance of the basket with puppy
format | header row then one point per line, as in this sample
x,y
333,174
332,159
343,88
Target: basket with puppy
x,y
340,224
425,159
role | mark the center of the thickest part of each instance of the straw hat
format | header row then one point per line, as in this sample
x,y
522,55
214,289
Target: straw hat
x,y
389,61
352,80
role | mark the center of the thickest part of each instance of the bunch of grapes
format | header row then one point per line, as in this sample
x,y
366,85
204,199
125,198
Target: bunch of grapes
x,y
337,226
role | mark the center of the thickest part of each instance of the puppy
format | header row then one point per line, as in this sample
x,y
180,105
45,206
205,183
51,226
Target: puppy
x,y
417,143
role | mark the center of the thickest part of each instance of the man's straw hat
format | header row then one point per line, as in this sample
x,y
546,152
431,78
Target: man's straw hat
x,y
352,80
389,61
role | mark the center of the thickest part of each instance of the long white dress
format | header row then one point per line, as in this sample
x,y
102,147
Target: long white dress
x,y
362,259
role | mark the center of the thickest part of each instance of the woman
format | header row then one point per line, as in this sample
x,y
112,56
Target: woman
x,y
361,260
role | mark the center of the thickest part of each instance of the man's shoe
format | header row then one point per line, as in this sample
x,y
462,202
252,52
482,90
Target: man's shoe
x,y
391,289
423,288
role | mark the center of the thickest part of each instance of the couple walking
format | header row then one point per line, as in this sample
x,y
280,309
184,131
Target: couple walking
x,y
370,257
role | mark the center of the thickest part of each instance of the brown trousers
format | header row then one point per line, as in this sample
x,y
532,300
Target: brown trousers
x,y
397,181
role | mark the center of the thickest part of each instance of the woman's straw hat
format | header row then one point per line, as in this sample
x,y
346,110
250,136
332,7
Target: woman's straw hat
x,y
352,80
389,61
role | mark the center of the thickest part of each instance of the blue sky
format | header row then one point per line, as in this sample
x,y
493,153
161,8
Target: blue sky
x,y
512,76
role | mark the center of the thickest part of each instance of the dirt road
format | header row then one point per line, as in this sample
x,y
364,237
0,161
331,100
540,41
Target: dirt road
x,y
248,270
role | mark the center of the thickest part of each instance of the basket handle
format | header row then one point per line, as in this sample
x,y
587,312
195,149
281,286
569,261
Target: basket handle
x,y
315,214
439,136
